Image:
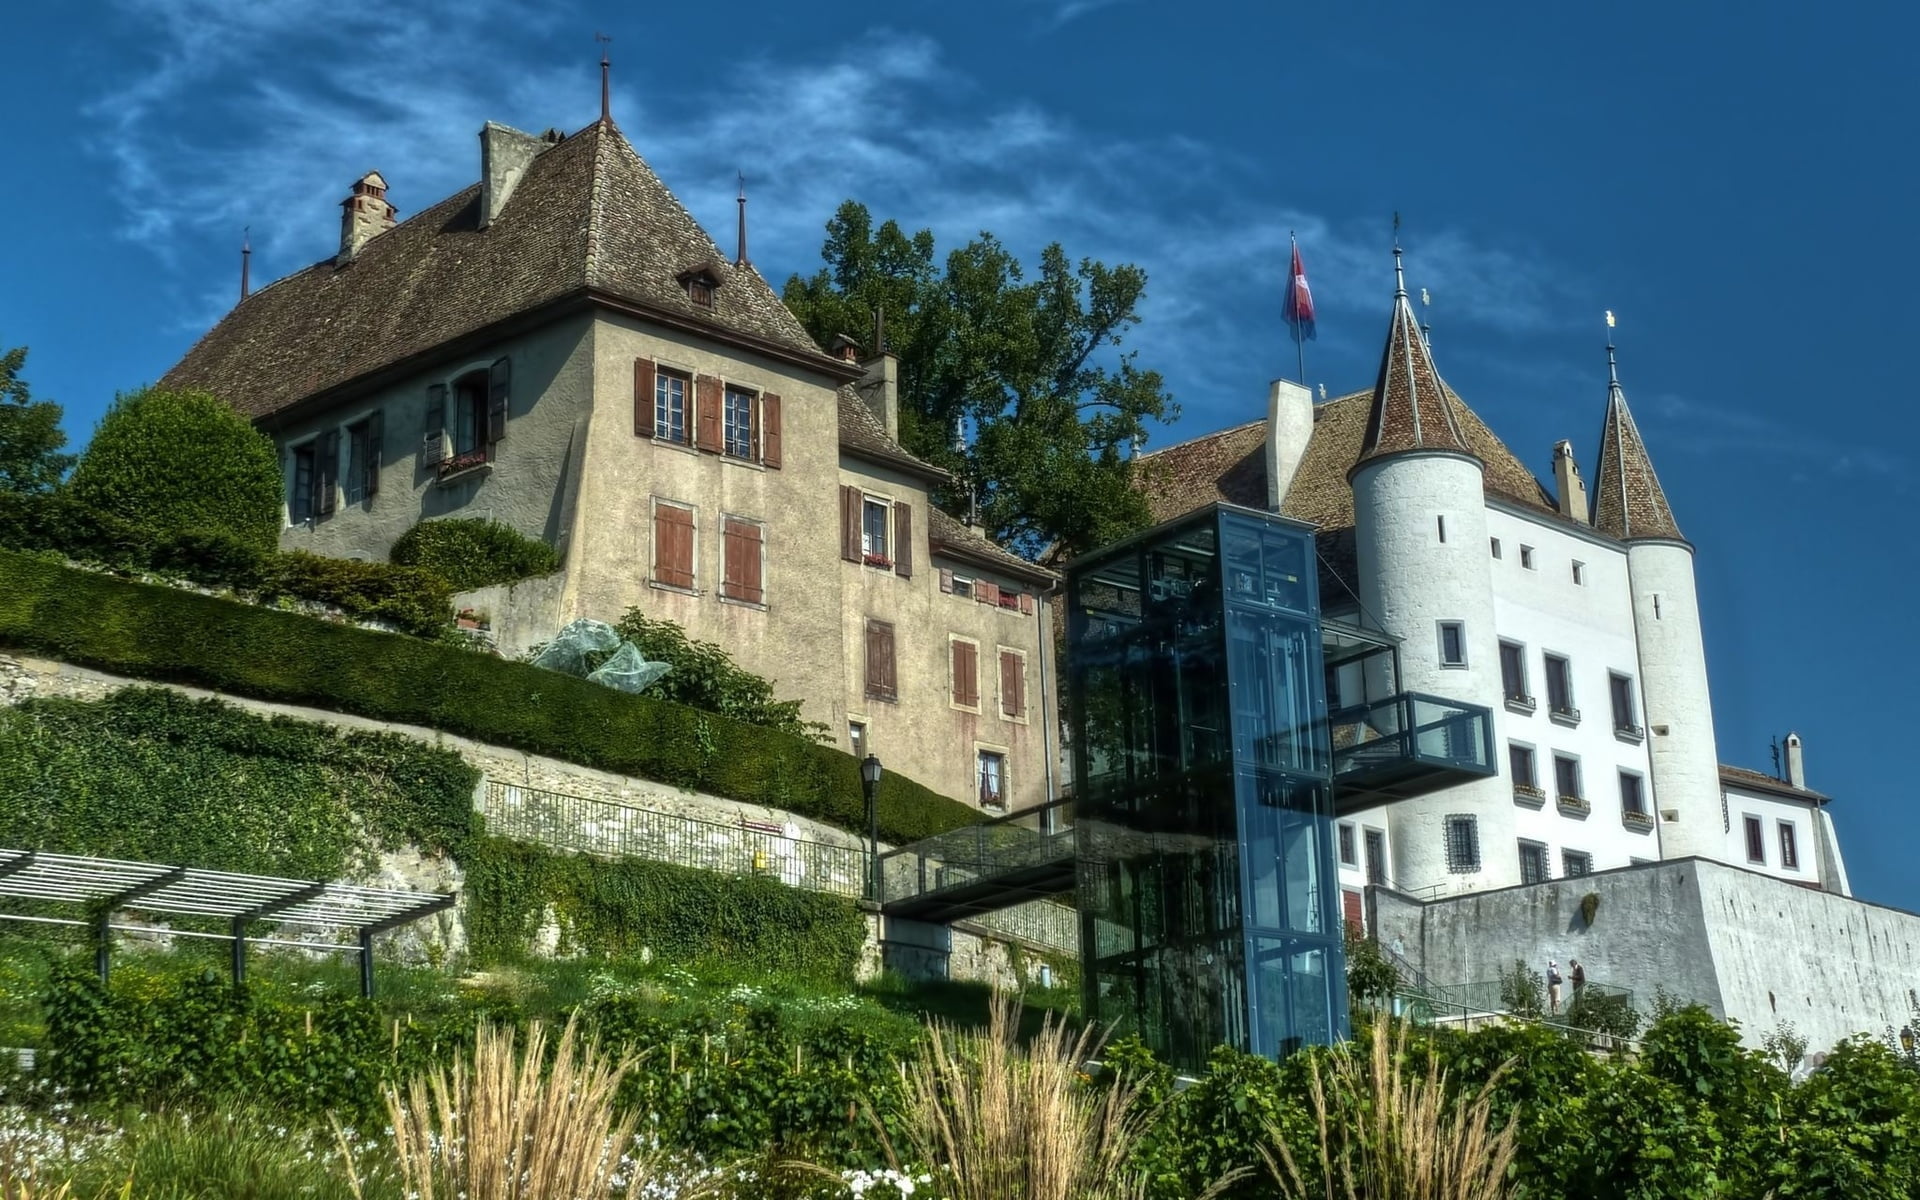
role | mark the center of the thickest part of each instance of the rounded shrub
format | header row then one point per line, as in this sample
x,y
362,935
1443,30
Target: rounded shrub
x,y
179,461
469,552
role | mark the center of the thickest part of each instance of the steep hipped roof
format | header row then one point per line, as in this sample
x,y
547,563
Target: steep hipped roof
x,y
1628,502
589,217
1412,409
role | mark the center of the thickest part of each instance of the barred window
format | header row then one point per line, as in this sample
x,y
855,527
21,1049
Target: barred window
x,y
1463,843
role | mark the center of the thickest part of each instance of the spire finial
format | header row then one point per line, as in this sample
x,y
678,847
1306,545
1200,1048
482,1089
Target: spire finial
x,y
1613,366
606,82
741,259
1399,272
246,259
1426,325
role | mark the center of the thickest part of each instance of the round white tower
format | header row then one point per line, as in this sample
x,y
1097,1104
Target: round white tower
x,y
1420,538
1630,505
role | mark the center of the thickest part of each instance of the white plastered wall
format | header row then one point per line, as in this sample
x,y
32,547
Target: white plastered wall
x,y
1673,679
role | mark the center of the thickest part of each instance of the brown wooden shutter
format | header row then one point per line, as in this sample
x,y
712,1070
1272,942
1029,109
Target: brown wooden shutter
x,y
903,539
987,593
946,580
706,390
966,674
643,399
880,676
433,435
1350,908
376,444
1026,604
850,504
499,385
755,564
1013,684
326,473
742,580
673,545
770,429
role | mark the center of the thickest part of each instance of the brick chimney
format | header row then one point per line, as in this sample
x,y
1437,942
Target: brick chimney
x,y
363,215
1567,484
1796,764
504,157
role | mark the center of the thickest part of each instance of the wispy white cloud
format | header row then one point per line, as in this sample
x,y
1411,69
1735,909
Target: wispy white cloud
x,y
1065,12
261,112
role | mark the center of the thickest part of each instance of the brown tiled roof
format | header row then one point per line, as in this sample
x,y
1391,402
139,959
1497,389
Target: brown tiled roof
x,y
588,217
1231,465
952,537
1761,782
862,435
1412,410
1627,498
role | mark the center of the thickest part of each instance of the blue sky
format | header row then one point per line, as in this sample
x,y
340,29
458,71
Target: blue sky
x,y
1730,185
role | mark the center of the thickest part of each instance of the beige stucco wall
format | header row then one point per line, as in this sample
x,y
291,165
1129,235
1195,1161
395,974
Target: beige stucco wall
x,y
525,486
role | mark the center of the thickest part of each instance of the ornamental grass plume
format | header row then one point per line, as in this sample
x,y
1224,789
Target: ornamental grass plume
x,y
994,1122
508,1126
1386,1133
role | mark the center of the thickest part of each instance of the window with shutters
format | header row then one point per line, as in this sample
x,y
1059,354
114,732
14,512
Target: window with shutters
x,y
876,530
745,557
466,421
301,507
1013,685
881,681
469,425
964,670
674,537
740,440
963,587
670,390
361,478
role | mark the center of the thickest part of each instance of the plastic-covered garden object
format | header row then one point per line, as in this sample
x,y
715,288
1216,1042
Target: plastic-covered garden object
x,y
568,651
628,670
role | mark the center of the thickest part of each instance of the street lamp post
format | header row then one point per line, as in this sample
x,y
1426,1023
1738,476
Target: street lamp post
x,y
870,784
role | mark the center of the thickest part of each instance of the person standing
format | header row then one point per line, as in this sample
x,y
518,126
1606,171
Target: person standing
x,y
1576,975
1553,988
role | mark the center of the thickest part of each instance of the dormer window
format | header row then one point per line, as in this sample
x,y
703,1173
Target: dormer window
x,y
700,283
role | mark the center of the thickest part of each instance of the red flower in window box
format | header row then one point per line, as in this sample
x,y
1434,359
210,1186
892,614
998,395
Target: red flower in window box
x,y
461,462
877,560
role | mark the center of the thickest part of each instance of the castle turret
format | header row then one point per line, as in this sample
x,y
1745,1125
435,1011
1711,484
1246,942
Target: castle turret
x,y
1420,534
1630,505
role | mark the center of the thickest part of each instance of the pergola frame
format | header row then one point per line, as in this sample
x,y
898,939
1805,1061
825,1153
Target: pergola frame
x,y
106,886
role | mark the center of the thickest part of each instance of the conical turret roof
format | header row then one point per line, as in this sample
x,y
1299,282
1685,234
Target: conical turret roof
x,y
1628,501
1411,408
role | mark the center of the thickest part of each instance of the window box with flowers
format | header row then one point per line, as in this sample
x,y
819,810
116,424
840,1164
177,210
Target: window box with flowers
x,y
1573,806
1530,795
1642,821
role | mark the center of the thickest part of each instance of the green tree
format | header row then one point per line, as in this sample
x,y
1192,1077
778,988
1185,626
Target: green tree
x,y
30,433
1030,368
183,461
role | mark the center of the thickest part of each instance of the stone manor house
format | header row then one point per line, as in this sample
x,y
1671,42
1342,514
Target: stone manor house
x,y
561,347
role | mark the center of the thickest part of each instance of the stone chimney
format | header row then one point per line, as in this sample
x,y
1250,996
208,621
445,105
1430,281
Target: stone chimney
x,y
1796,763
363,215
504,156
881,390
1289,426
1567,484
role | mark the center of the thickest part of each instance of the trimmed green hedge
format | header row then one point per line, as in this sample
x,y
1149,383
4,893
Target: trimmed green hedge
x,y
471,553
410,599
164,633
613,908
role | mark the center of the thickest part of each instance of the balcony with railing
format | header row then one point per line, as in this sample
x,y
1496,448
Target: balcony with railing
x,y
1407,745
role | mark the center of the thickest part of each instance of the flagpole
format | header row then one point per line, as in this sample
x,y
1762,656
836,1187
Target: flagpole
x,y
1299,341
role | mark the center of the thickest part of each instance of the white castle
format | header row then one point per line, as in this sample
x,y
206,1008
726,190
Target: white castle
x,y
1576,624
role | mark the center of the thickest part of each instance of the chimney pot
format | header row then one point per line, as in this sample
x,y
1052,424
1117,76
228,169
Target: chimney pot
x,y
364,214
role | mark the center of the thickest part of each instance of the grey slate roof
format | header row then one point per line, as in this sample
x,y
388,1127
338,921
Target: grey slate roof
x,y
862,435
588,217
949,534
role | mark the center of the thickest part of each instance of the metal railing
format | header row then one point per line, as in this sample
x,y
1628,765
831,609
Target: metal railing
x,y
1412,727
976,854
614,829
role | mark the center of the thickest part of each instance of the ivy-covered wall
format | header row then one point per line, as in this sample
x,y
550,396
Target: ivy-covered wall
x,y
163,633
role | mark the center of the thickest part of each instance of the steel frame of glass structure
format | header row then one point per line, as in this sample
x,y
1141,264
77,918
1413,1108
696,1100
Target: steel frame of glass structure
x,y
1203,802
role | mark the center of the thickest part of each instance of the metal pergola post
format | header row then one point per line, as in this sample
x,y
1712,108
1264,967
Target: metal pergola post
x,y
395,921
103,934
257,912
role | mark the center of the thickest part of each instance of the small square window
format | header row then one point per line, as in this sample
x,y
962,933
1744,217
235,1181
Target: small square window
x,y
700,291
1348,855
1496,546
963,587
1526,557
1579,573
1576,862
1533,862
1453,644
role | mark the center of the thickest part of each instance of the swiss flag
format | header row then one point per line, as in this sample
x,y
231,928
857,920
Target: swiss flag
x,y
1298,309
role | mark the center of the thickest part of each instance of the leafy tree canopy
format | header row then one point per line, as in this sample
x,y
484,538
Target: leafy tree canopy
x,y
1028,367
183,461
30,433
